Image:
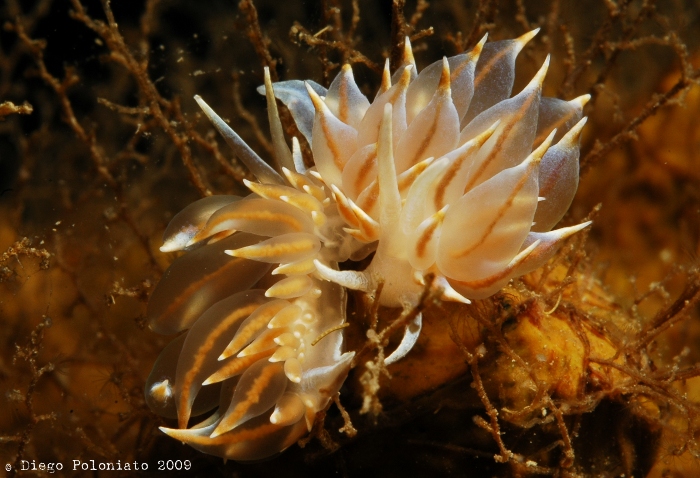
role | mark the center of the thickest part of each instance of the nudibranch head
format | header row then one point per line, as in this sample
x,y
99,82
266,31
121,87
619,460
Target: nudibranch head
x,y
443,173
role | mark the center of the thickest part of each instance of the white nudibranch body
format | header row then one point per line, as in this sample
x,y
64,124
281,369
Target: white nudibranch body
x,y
443,173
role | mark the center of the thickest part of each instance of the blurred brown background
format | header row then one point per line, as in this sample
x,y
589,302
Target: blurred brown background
x,y
110,145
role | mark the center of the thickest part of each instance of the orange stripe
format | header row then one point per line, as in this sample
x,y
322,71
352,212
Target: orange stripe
x,y
252,396
451,173
406,181
305,201
371,198
201,354
498,216
237,366
332,146
343,100
461,66
293,286
483,283
480,284
299,181
428,137
488,66
562,121
448,176
275,250
238,436
424,239
385,83
260,215
251,328
196,286
365,169
263,342
271,191
501,141
552,179
346,212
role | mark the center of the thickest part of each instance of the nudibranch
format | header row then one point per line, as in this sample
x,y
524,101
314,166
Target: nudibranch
x,y
443,173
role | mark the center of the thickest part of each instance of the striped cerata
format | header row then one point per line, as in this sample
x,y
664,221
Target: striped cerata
x,y
443,173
